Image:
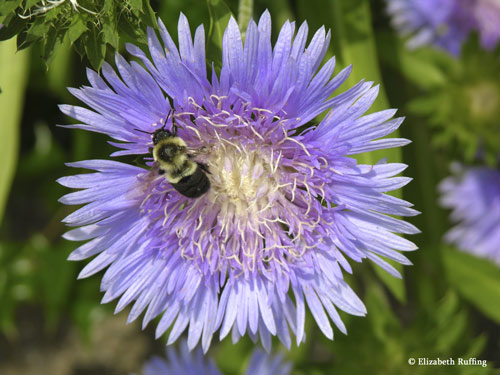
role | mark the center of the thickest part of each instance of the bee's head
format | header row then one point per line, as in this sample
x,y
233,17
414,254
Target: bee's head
x,y
160,135
169,148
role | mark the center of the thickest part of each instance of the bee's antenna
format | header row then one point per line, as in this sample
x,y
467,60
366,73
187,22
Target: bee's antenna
x,y
166,118
174,125
142,131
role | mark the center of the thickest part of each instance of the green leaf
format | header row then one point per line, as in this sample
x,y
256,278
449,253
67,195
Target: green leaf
x,y
130,25
149,17
56,286
109,26
230,357
57,14
13,25
476,346
353,29
52,42
77,28
476,279
396,286
7,314
135,4
281,11
94,48
111,35
382,319
423,105
451,322
245,10
21,40
30,3
60,71
13,75
421,71
38,29
8,7
219,17
417,66
84,310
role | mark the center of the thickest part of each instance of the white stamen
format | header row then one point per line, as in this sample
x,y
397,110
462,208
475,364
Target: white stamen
x,y
54,4
195,131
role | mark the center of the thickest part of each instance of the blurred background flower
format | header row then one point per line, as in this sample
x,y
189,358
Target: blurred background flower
x,y
487,16
264,363
445,23
186,362
473,196
194,363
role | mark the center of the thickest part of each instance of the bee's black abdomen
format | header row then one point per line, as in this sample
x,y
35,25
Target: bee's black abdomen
x,y
193,186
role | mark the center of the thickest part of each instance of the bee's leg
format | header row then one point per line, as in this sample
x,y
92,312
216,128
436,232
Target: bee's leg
x,y
204,167
174,127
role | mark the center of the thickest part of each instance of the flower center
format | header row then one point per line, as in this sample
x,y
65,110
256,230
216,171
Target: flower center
x,y
264,198
244,177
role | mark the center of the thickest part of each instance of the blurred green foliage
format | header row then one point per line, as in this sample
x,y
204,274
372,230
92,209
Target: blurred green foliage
x,y
13,81
447,304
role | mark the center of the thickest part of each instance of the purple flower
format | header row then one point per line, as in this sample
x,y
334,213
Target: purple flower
x,y
194,363
445,23
264,364
438,22
487,15
473,195
185,363
286,204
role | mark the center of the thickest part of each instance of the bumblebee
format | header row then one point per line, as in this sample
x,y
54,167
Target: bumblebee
x,y
172,156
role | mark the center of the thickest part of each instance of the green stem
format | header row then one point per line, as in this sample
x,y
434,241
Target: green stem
x,y
12,83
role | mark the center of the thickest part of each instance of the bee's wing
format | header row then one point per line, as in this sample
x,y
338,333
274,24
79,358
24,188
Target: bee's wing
x,y
196,151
